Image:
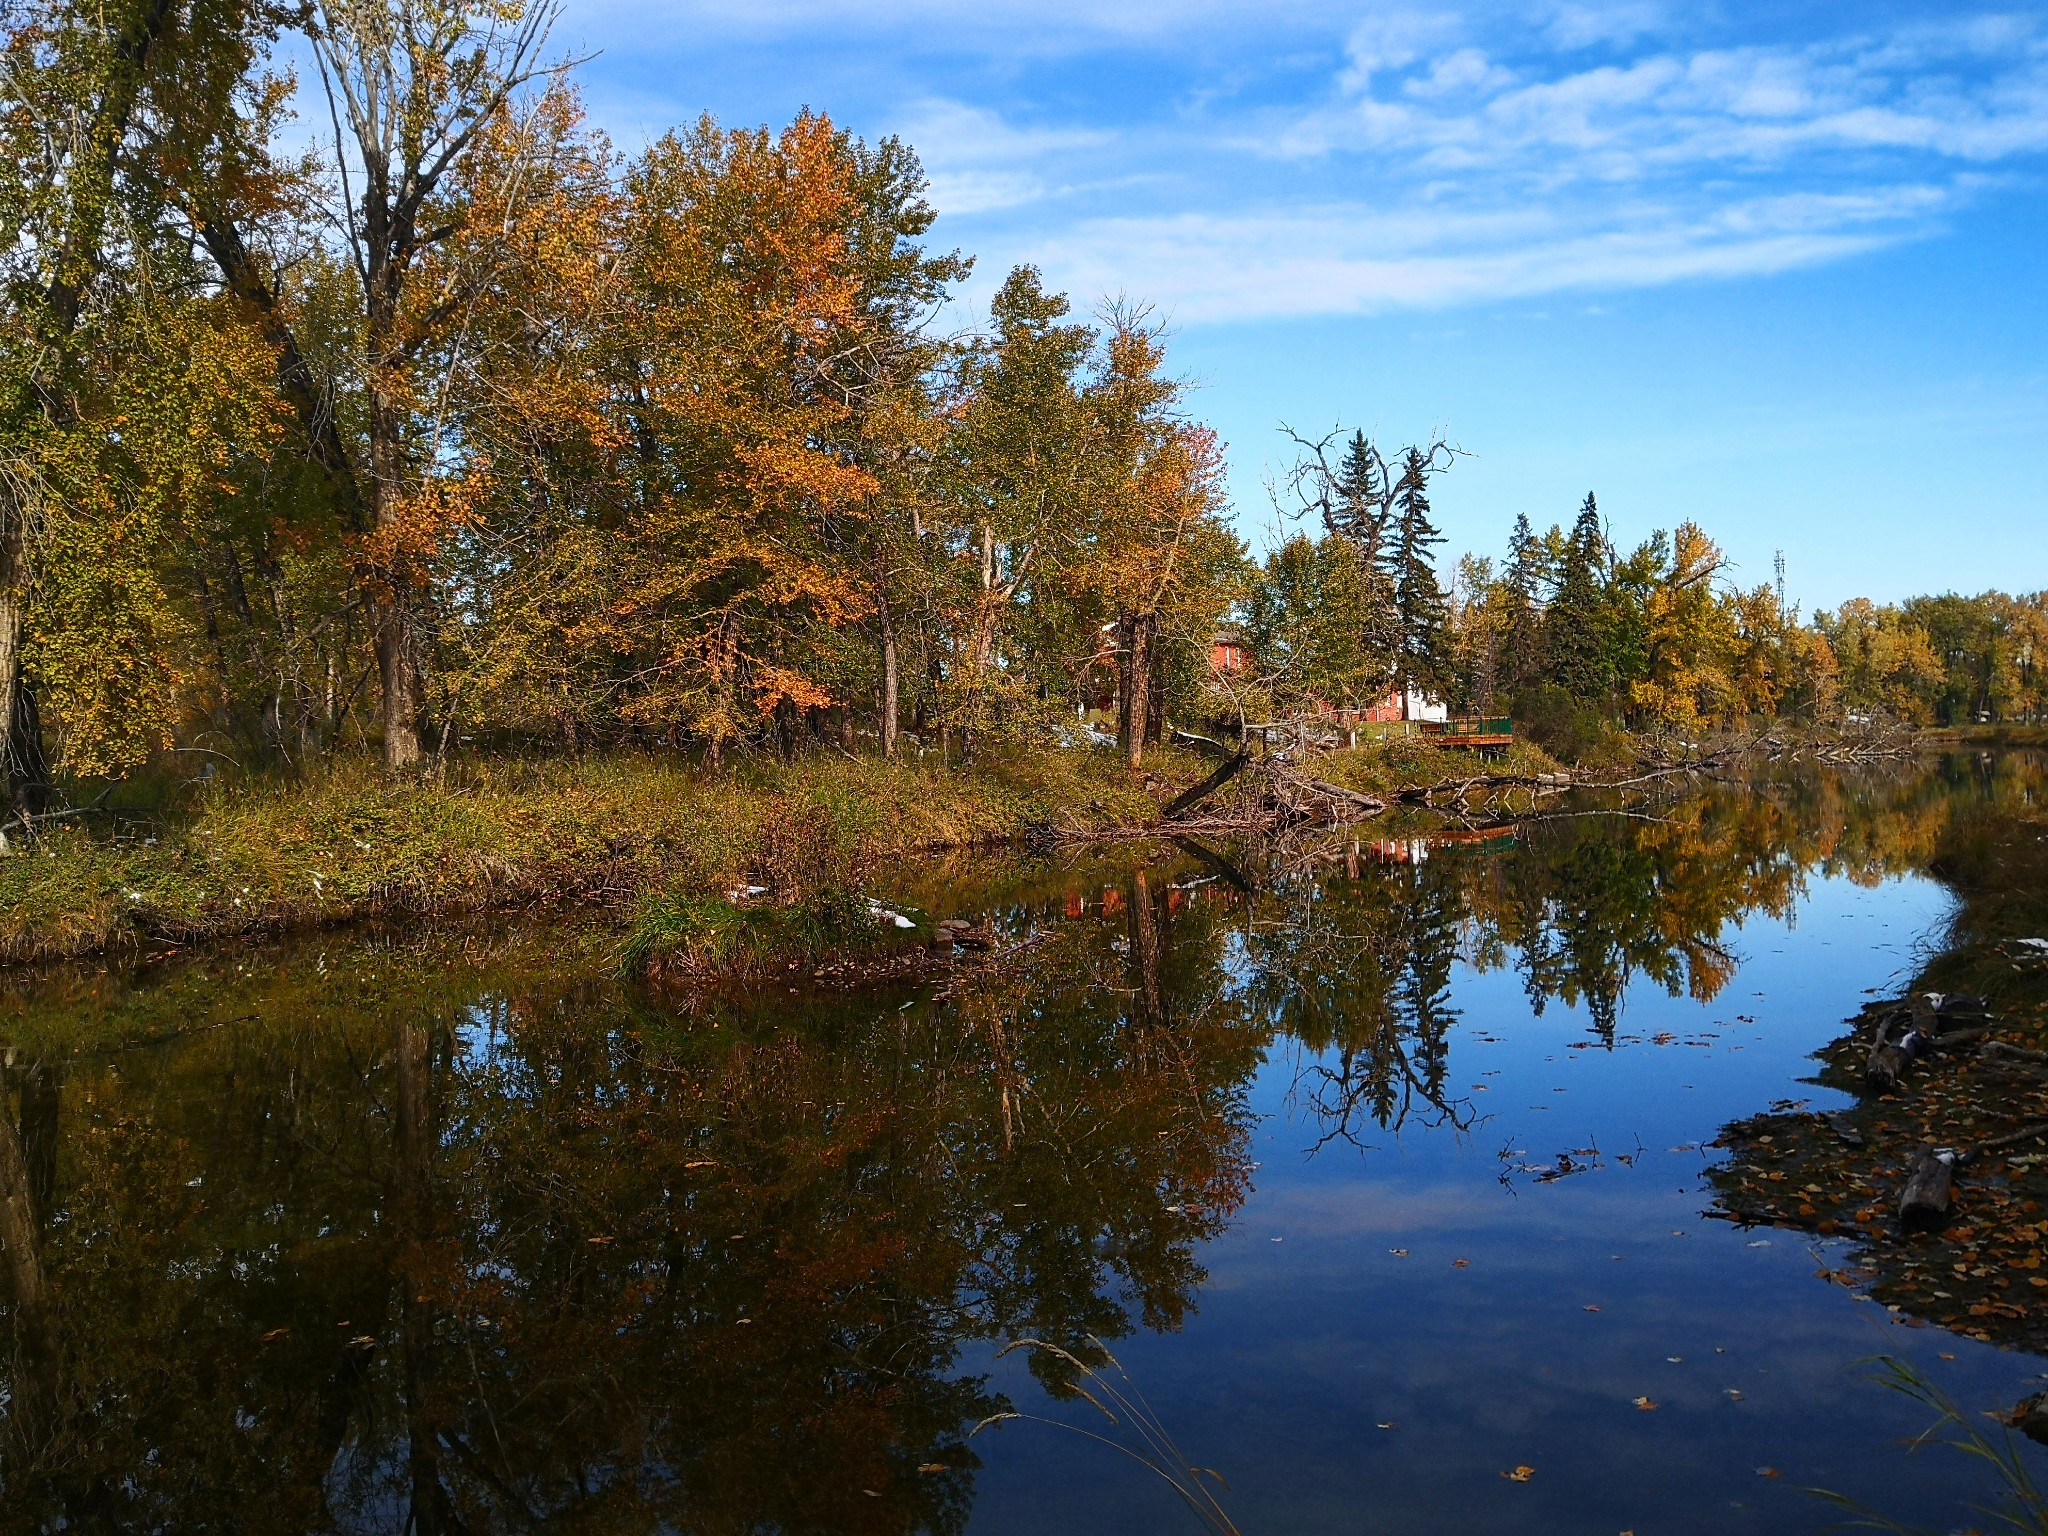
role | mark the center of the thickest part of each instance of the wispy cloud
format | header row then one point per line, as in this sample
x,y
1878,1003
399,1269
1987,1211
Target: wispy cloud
x,y
1206,267
1310,157
978,162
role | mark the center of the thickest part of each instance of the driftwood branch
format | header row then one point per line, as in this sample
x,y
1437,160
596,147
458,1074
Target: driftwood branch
x,y
1188,799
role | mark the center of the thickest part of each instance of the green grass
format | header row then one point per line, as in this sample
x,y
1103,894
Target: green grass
x,y
259,855
265,854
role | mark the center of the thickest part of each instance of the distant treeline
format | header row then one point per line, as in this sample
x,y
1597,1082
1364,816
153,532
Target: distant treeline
x,y
464,427
1574,633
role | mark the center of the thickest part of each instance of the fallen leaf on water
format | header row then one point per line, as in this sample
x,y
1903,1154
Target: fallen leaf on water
x,y
1644,1404
1520,1474
1948,1357
1766,1471
933,1466
1734,1395
274,1334
1592,1309
1461,1263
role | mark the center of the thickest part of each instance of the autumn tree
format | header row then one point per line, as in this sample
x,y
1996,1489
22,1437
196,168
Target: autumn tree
x,y
1690,636
1163,561
1309,621
1021,460
411,85
126,392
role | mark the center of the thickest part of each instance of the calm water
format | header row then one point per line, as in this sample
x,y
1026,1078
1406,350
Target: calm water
x,y
458,1232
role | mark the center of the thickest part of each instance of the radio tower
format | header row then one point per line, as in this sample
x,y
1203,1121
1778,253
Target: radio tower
x,y
1779,565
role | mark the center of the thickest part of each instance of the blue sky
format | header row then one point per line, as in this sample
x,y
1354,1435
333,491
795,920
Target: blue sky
x,y
1778,268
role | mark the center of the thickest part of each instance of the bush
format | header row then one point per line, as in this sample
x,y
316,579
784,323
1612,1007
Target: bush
x,y
1569,729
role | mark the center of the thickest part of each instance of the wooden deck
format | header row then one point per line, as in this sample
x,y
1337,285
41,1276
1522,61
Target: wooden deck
x,y
1481,735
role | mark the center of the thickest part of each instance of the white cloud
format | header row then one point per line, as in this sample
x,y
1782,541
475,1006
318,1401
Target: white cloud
x,y
1326,155
978,162
1348,259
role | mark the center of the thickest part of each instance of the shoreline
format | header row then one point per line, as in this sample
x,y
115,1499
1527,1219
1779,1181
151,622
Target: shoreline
x,y
271,857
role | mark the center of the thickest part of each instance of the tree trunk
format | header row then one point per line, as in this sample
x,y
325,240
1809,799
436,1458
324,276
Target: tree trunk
x,y
1155,692
1125,624
392,580
785,730
24,770
1929,1194
398,676
889,704
28,765
11,626
1135,688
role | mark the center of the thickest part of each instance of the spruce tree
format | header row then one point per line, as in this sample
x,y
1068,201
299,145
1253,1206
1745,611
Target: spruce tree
x,y
1363,497
1420,608
1574,652
1521,624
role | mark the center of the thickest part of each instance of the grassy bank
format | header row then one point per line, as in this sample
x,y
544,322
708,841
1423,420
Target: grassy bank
x,y
267,855
2035,736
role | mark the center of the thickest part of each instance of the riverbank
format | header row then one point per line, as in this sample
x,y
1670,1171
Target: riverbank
x,y
270,855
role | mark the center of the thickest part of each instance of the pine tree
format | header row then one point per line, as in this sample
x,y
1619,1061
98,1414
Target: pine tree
x,y
1574,654
1420,608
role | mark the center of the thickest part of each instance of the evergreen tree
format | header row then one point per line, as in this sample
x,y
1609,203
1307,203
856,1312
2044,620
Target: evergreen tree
x,y
1420,608
1574,653
1364,497
1521,623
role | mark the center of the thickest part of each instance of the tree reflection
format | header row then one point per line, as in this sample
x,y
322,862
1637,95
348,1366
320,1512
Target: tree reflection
x,y
461,1235
495,1247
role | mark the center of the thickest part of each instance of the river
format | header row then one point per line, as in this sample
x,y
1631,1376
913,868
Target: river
x,y
1376,1166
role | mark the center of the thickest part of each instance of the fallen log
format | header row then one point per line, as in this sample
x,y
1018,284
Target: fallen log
x,y
2017,1052
1930,1192
2000,1143
1188,799
1365,803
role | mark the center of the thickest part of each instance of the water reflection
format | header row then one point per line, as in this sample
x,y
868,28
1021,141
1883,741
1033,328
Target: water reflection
x,y
460,1235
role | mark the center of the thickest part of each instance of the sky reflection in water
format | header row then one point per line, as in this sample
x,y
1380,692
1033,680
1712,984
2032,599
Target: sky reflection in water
x,y
463,1228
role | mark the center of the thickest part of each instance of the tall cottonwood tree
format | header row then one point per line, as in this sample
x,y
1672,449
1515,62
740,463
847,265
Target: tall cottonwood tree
x,y
1020,480
1163,562
411,85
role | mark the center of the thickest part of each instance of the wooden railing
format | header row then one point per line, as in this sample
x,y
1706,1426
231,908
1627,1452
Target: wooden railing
x,y
1470,725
